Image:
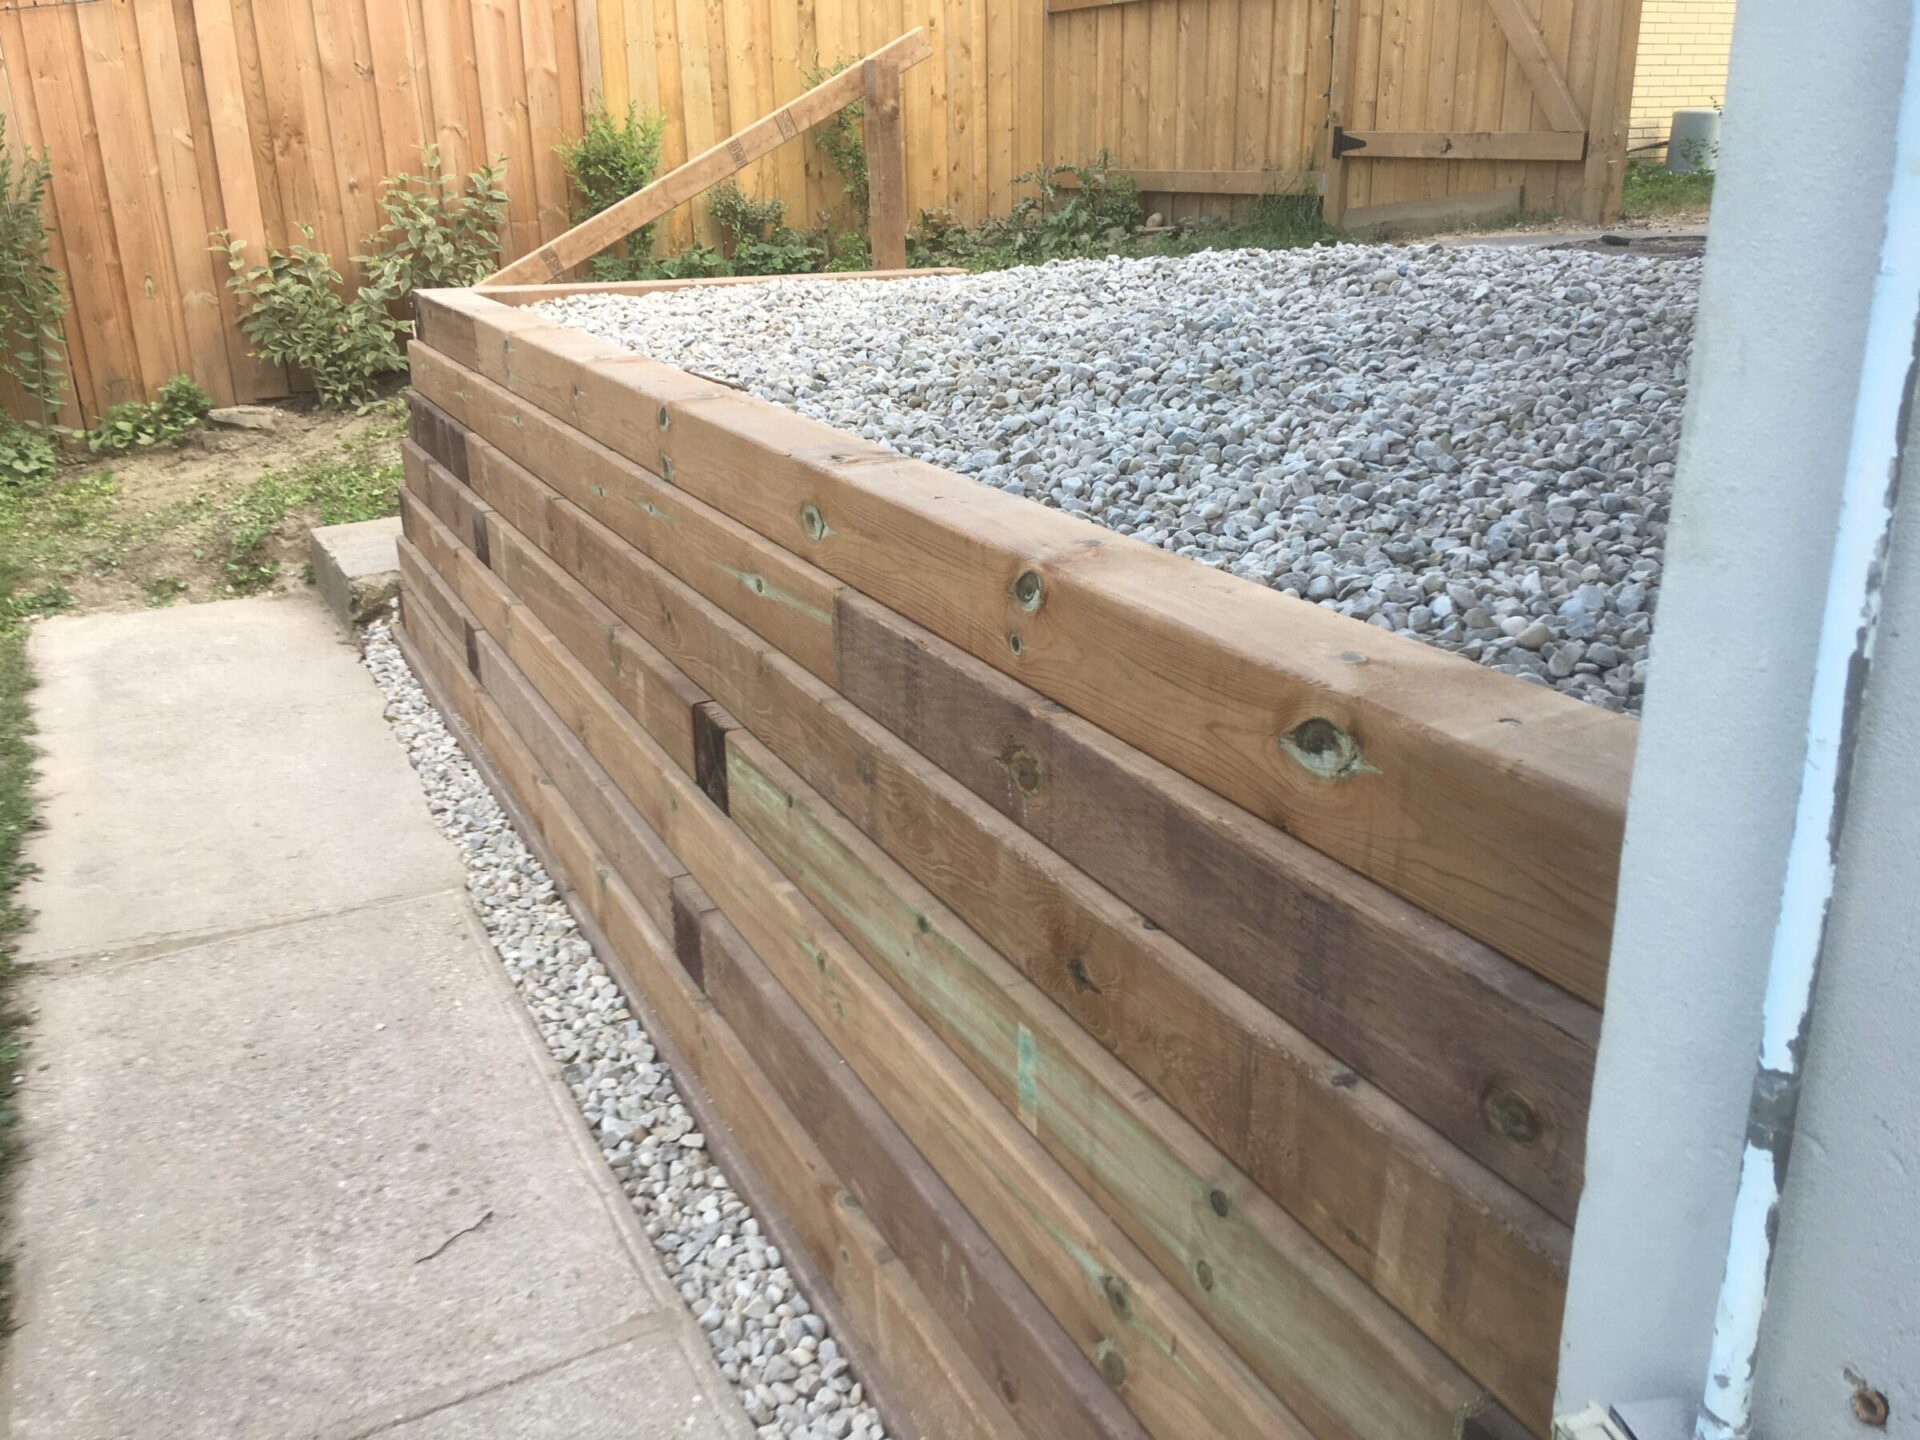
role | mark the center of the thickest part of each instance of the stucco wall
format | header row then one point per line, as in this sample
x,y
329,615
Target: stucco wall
x,y
1775,364
1682,62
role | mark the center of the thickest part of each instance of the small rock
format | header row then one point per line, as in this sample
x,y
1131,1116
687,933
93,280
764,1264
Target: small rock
x,y
245,417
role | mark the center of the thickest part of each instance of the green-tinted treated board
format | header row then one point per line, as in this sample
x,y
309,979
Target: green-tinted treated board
x,y
1340,1358
1495,805
1174,1373
1396,1203
1051,1389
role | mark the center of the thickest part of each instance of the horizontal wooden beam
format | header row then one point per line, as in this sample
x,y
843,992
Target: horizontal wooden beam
x,y
887,1324
1272,914
1463,144
1445,210
1181,1378
1395,1204
710,167
1056,7
1496,805
1212,182
539,294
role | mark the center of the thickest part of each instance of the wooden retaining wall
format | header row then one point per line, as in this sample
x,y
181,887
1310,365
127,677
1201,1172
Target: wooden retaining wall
x,y
1155,1006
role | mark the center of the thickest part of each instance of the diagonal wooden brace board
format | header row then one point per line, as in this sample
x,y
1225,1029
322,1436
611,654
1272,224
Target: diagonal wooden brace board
x,y
594,234
1536,60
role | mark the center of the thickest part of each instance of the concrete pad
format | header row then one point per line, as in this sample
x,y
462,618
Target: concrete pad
x,y
210,768
356,567
618,1394
297,1162
315,1180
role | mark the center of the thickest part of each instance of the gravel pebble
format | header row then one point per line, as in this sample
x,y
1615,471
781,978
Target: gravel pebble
x,y
765,1335
1437,440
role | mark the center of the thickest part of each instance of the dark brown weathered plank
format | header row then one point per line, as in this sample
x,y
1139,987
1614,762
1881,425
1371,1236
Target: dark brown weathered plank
x,y
1177,1375
1495,805
1397,1204
1050,1388
1498,1059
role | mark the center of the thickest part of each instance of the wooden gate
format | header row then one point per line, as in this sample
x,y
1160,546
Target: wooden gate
x,y
1454,109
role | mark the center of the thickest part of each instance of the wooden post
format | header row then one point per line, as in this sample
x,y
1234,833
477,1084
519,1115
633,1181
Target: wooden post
x,y
886,167
1333,172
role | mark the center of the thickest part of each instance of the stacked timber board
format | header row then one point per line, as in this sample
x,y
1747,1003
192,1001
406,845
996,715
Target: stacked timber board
x,y
1155,1006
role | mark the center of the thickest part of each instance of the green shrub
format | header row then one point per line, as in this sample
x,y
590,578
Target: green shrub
x,y
612,159
435,236
26,454
755,239
32,345
297,316
1093,217
297,312
696,262
138,424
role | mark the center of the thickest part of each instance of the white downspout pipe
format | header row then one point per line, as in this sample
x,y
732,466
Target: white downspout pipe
x,y
1841,664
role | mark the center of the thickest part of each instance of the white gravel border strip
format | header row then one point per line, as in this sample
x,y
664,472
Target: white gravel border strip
x,y
770,1342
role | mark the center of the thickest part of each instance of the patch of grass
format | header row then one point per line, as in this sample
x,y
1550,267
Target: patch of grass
x,y
164,590
1651,189
17,818
361,481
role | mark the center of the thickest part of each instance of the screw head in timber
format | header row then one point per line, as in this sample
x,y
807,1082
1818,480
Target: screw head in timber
x,y
813,522
1028,590
665,418
1113,1367
1511,1114
1218,1200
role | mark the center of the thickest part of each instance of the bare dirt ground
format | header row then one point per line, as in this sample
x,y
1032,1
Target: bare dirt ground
x,y
225,513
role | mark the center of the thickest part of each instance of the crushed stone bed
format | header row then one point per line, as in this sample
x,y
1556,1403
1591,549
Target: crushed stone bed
x,y
769,1341
1473,445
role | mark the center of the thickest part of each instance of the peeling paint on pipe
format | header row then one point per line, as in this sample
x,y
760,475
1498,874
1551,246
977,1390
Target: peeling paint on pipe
x,y
1849,622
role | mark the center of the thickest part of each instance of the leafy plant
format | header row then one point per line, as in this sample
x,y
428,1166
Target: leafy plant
x,y
842,138
755,238
435,236
32,345
1099,214
297,315
26,454
696,262
139,424
614,157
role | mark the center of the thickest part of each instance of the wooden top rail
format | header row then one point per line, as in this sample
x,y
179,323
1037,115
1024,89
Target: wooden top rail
x,y
679,185
1493,804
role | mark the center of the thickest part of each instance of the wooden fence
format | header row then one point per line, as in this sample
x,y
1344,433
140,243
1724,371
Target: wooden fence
x,y
1209,100
168,120
986,877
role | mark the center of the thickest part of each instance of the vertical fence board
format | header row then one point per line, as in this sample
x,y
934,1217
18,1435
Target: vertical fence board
x,y
198,277
24,134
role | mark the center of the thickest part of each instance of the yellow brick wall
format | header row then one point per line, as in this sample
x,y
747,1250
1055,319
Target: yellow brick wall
x,y
1682,63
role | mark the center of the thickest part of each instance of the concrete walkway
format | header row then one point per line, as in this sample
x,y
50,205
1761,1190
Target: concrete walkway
x,y
298,1163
